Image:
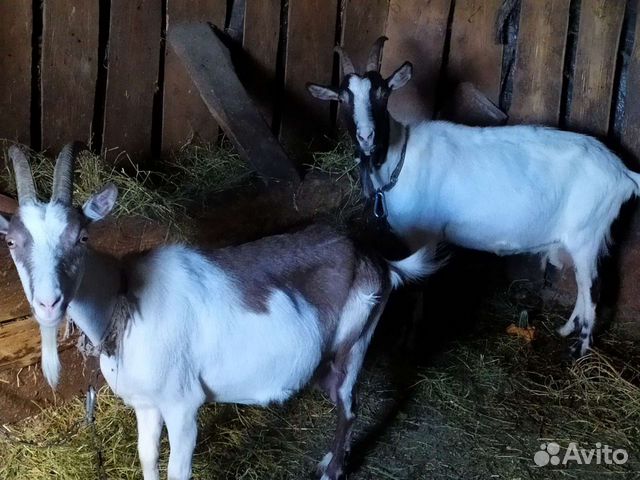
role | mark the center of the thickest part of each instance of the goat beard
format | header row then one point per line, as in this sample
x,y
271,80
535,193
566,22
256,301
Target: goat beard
x,y
50,359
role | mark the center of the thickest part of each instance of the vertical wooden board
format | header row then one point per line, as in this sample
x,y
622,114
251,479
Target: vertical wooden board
x,y
596,53
630,128
475,54
15,70
416,31
184,113
364,21
261,35
69,71
134,51
309,58
537,84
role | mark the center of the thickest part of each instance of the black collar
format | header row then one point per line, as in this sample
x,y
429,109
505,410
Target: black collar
x,y
379,202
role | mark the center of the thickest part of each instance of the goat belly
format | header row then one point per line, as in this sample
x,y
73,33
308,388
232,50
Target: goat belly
x,y
266,357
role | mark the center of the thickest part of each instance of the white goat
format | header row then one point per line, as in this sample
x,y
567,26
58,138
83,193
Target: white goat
x,y
251,324
507,190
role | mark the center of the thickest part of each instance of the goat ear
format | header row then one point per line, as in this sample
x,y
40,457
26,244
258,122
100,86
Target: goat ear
x,y
401,76
323,93
101,203
4,225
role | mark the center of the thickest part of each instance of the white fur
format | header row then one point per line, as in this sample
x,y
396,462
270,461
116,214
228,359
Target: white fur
x,y
363,117
416,266
50,358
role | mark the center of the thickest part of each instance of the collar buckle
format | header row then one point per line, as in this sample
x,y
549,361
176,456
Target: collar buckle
x,y
379,205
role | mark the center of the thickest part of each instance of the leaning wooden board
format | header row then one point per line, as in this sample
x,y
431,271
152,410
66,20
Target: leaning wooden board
x,y
537,82
416,31
210,68
15,70
69,71
134,55
595,66
184,113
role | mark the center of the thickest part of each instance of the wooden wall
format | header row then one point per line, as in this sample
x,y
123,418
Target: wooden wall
x,y
99,70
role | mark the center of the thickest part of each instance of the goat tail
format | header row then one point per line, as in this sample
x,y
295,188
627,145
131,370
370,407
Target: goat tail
x,y
419,264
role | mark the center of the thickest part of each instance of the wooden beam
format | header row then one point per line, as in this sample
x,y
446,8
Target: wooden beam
x,y
416,31
185,115
598,38
15,68
537,83
134,55
475,55
210,67
69,71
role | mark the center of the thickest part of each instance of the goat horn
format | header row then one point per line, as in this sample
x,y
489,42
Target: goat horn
x,y
375,56
24,178
63,176
347,65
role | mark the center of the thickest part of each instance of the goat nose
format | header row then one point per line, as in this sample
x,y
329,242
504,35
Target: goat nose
x,y
49,305
366,136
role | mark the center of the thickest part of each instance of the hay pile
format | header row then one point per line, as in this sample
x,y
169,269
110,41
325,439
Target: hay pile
x,y
166,194
480,409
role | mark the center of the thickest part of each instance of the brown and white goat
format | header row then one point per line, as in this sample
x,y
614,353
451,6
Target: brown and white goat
x,y
251,324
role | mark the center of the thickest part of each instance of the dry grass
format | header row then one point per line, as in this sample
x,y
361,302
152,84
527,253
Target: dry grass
x,y
479,410
166,194
340,163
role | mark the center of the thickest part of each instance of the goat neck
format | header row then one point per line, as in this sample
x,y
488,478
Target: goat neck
x,y
382,175
93,304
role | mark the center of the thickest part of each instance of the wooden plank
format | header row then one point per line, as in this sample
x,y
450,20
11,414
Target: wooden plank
x,y
364,21
537,84
13,303
210,67
15,68
69,71
309,58
134,51
8,205
416,31
598,37
630,128
20,343
185,115
475,55
261,35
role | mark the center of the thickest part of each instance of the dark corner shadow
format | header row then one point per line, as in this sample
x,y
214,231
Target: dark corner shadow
x,y
448,305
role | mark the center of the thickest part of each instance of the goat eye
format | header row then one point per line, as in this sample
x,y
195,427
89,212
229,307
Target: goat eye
x,y
11,243
84,238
